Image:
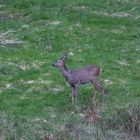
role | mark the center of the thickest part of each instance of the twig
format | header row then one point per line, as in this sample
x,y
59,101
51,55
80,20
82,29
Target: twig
x,y
132,9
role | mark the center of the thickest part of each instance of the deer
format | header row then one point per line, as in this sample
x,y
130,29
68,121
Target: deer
x,y
77,77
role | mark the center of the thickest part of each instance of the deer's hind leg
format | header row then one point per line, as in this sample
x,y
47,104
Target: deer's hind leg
x,y
98,86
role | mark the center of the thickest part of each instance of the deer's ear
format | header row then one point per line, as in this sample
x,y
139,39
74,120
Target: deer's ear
x,y
64,57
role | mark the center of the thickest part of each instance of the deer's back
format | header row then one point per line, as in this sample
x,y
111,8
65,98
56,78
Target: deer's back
x,y
86,73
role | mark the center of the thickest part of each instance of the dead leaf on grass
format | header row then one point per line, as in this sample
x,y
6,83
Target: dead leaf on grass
x,y
138,61
56,22
123,62
108,82
117,14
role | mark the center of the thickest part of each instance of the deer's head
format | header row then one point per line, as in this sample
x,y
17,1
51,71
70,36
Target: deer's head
x,y
60,62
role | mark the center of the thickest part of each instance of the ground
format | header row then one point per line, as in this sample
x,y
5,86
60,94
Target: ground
x,y
35,99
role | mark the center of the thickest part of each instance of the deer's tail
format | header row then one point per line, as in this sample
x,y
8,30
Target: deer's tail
x,y
98,71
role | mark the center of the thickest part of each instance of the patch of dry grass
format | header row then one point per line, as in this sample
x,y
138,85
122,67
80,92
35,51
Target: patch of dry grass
x,y
6,41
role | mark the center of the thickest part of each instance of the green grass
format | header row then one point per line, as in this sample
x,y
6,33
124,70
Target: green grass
x,y
34,98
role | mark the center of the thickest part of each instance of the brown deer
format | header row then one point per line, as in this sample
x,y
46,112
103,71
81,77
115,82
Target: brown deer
x,y
76,77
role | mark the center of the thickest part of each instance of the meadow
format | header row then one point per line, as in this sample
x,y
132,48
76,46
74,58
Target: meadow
x,y
35,101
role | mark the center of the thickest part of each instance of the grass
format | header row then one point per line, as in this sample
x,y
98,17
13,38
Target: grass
x,y
34,98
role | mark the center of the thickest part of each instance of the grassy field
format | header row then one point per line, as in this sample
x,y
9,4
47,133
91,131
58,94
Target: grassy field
x,y
34,98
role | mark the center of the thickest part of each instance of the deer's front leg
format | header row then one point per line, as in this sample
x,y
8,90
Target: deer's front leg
x,y
74,92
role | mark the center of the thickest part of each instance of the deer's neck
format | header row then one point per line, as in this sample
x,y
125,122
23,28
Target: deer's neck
x,y
65,72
